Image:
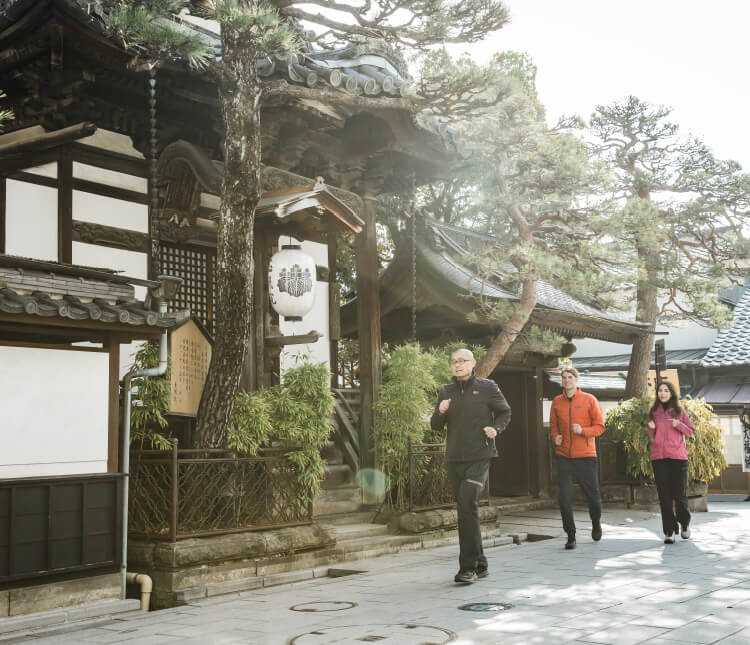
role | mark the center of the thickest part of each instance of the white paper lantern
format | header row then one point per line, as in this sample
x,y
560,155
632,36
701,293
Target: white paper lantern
x,y
291,282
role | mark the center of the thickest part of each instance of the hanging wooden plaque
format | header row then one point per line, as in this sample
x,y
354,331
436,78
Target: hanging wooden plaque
x,y
190,356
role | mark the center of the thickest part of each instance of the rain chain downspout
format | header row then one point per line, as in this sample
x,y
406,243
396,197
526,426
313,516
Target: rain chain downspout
x,y
145,373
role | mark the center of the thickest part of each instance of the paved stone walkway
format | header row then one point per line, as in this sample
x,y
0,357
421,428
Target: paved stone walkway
x,y
629,588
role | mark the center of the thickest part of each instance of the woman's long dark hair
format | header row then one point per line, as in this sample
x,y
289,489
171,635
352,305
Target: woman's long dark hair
x,y
674,400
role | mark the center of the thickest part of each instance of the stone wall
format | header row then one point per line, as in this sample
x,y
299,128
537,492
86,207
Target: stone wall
x,y
198,567
59,595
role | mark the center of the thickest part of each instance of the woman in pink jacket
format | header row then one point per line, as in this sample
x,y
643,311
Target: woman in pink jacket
x,y
668,426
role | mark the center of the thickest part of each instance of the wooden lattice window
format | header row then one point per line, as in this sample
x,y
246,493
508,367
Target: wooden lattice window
x,y
196,265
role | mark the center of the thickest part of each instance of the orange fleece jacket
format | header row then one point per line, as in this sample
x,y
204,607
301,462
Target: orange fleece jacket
x,y
582,409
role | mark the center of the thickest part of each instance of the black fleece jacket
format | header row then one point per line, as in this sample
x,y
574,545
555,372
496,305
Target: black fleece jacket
x,y
475,404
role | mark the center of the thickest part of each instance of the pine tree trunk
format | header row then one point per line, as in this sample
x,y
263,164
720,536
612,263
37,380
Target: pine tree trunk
x,y
640,357
240,97
510,332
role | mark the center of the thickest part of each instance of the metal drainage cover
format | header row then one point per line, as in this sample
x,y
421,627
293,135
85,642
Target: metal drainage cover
x,y
325,605
486,606
384,634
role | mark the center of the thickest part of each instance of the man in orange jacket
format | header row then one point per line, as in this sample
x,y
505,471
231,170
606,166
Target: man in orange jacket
x,y
575,421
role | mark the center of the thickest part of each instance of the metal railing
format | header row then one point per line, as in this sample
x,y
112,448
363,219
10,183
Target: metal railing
x,y
428,483
176,494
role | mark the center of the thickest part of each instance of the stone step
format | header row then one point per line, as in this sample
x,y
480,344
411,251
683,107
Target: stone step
x,y
344,499
331,454
337,475
507,506
354,531
356,517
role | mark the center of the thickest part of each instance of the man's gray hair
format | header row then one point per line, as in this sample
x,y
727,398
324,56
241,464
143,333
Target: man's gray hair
x,y
465,351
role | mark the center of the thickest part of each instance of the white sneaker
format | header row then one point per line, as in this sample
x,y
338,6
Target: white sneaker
x,y
685,534
669,539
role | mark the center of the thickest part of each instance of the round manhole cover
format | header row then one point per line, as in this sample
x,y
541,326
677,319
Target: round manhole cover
x,y
486,606
326,605
386,634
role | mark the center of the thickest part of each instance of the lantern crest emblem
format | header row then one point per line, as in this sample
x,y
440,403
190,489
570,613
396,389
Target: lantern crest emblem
x,y
296,281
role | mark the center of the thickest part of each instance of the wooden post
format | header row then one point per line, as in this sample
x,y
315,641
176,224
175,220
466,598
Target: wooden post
x,y
368,328
65,208
175,489
334,313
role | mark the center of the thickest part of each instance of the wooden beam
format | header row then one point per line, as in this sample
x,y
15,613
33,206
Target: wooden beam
x,y
2,214
295,339
65,208
129,332
48,139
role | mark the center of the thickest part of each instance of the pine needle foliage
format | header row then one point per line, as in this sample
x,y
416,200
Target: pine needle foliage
x,y
147,28
402,415
627,423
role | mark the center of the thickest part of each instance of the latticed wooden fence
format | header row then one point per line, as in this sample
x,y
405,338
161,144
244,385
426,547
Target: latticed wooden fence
x,y
176,494
428,481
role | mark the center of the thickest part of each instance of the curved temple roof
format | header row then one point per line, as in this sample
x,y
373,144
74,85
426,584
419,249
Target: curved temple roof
x,y
446,278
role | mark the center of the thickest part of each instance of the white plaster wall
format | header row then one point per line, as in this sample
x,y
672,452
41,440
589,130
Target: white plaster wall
x,y
317,319
731,432
30,220
132,264
55,412
109,177
107,211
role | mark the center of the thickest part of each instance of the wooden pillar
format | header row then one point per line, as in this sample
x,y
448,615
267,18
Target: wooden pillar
x,y
541,467
65,208
368,327
334,312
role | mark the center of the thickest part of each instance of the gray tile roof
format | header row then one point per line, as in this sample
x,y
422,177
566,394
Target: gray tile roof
x,y
76,293
452,243
622,361
732,346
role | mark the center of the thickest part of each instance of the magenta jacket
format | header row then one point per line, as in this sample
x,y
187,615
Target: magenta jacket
x,y
669,441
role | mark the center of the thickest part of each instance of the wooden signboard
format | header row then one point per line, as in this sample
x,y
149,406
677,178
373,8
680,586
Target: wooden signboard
x,y
189,356
666,375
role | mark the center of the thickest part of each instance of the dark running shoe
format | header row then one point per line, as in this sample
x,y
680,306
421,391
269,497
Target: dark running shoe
x,y
571,543
596,532
466,577
482,572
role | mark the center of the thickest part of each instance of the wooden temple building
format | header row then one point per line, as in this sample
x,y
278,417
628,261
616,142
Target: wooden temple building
x,y
78,190
433,273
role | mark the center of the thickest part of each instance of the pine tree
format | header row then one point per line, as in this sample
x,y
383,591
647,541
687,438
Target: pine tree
x,y
680,218
250,29
531,186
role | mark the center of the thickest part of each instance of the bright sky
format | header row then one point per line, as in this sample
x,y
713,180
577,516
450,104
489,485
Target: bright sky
x,y
689,55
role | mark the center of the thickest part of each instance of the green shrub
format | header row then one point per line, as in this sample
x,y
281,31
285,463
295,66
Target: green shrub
x,y
295,414
627,423
404,404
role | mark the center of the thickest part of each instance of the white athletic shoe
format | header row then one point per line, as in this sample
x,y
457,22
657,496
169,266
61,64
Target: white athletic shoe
x,y
669,539
685,534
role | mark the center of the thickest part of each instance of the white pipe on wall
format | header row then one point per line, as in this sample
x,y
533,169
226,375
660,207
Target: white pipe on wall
x,y
146,586
154,371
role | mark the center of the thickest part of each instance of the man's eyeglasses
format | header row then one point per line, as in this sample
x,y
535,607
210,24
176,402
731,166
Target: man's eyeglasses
x,y
460,361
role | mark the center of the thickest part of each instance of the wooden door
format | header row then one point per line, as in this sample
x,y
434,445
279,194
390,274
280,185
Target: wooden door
x,y
509,473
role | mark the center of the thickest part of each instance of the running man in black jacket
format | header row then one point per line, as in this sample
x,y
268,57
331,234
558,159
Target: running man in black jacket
x,y
476,412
